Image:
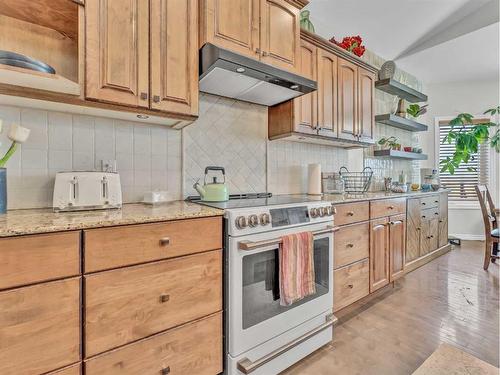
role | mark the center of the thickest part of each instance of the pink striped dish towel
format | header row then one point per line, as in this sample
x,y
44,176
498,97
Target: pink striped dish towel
x,y
296,267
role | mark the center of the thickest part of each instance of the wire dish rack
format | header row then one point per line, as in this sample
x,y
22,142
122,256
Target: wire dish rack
x,y
356,182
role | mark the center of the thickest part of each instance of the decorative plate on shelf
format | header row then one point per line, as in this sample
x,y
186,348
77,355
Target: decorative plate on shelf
x,y
387,70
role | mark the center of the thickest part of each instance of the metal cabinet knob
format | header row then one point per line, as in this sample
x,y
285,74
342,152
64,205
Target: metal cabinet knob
x,y
156,98
165,371
144,96
350,213
350,245
164,298
164,241
350,286
391,207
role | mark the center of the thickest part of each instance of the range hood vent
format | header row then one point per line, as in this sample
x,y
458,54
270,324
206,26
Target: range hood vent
x,y
229,74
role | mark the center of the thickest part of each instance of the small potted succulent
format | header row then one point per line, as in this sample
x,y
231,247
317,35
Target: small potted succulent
x,y
17,134
390,143
415,110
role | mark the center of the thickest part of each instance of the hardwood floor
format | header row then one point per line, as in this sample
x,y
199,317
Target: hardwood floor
x,y
451,299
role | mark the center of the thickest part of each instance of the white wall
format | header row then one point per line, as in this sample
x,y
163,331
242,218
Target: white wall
x,y
449,99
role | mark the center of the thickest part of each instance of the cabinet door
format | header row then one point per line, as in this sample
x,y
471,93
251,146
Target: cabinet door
x,y
413,230
327,93
280,34
306,106
366,105
434,234
425,236
232,24
117,51
379,254
174,56
348,98
397,236
443,219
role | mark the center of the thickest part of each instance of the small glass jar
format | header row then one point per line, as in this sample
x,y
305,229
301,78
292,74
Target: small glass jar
x,y
333,183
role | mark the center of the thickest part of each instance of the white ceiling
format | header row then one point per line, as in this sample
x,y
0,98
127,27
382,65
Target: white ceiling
x,y
437,40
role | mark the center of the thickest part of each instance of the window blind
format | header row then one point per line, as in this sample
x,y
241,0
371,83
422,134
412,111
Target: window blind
x,y
476,171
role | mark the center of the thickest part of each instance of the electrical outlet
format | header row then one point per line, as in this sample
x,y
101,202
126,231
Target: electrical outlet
x,y
108,165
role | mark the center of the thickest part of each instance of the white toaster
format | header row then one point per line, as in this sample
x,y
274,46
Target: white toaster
x,y
78,191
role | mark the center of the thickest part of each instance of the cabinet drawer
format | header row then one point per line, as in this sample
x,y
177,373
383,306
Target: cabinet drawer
x,y
351,283
351,243
387,207
107,248
348,213
430,213
195,348
131,303
40,327
429,202
31,259
70,370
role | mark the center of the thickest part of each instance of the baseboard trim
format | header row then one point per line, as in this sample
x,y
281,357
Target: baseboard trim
x,y
426,258
469,237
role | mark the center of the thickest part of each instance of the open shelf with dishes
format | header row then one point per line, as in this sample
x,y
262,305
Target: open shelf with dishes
x,y
396,154
399,122
36,36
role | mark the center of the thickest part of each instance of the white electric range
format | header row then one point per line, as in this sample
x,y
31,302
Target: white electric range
x,y
261,336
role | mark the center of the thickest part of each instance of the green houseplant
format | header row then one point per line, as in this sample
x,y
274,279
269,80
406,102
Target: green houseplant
x,y
467,139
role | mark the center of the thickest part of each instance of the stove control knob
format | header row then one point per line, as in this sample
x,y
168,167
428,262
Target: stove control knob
x,y
265,219
253,221
321,213
325,212
314,212
241,222
330,210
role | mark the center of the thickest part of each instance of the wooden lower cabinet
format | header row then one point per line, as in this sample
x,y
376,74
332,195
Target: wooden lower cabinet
x,y
351,283
413,230
194,348
379,254
397,242
132,303
40,327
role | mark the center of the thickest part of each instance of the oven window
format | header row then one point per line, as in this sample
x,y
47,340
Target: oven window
x,y
261,283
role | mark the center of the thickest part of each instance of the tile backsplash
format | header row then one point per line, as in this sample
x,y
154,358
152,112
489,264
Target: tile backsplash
x,y
148,156
228,133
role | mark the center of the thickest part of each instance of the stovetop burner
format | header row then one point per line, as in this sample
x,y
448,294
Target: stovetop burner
x,y
256,200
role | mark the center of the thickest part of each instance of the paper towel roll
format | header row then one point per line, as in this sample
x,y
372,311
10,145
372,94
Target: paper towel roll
x,y
314,182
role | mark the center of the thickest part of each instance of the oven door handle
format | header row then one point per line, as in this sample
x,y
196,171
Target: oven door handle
x,y
247,366
251,245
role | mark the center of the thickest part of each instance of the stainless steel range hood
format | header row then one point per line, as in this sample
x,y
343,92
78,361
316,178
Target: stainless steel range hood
x,y
229,74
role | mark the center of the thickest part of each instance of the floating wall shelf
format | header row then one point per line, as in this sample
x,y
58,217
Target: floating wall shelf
x,y
399,155
400,122
391,86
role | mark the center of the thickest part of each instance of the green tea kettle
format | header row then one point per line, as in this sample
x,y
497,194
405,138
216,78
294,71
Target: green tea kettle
x,y
214,191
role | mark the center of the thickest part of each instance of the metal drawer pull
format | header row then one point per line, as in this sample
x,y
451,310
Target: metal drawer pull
x,y
391,207
395,222
436,213
251,245
247,366
350,213
165,241
350,286
423,203
165,371
164,298
350,245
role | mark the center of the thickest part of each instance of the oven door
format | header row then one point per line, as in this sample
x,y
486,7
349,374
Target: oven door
x,y
254,310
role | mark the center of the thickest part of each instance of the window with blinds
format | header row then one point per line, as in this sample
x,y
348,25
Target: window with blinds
x,y
476,171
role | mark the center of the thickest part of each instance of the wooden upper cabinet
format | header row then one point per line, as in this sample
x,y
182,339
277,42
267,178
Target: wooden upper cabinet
x,y
348,100
231,24
379,254
174,56
280,34
306,106
397,241
117,51
327,92
366,105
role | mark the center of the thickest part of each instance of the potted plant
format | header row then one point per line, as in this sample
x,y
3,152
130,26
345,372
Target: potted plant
x,y
415,110
17,135
390,142
466,139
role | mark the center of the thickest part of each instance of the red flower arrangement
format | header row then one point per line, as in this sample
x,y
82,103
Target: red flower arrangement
x,y
352,44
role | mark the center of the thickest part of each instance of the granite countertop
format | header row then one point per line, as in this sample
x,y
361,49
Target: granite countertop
x,y
21,222
35,221
345,198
